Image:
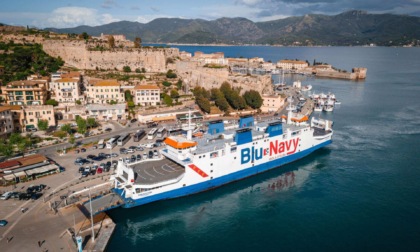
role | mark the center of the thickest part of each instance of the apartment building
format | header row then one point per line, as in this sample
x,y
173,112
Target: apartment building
x,y
272,103
66,90
146,95
6,121
27,92
104,91
35,113
292,64
105,112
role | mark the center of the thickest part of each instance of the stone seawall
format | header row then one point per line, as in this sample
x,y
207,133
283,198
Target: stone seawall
x,y
77,53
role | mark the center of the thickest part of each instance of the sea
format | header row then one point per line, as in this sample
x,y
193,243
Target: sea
x,y
361,193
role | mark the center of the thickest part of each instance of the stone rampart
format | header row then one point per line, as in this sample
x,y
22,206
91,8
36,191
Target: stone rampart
x,y
84,55
194,74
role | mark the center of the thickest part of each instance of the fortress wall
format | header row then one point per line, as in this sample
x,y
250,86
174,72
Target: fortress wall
x,y
76,53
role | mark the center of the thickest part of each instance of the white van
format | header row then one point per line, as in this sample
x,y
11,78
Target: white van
x,y
6,195
101,144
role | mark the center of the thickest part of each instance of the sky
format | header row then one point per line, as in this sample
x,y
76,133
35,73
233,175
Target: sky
x,y
66,13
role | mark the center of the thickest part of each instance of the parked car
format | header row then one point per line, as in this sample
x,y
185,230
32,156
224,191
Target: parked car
x,y
133,159
95,147
145,156
123,151
93,172
108,129
139,148
130,150
133,120
114,155
103,155
150,154
85,174
102,165
98,159
155,153
138,157
83,150
76,151
6,195
36,196
91,156
24,196
3,223
81,169
132,147
127,160
108,155
15,195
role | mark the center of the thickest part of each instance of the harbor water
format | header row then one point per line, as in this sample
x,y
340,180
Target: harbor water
x,y
361,193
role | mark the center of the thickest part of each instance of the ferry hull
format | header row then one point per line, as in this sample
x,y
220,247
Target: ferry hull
x,y
216,182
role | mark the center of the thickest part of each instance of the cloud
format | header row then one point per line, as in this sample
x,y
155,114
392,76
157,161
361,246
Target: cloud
x,y
155,9
147,18
65,17
108,4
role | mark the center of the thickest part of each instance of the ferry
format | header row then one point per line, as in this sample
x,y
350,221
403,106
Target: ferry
x,y
188,165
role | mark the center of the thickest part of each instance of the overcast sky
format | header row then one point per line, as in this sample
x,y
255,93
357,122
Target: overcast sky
x,y
65,13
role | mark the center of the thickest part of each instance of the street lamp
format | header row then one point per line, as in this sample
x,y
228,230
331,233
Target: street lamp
x,y
91,217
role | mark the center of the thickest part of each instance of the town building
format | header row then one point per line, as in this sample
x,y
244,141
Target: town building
x,y
26,92
105,112
146,95
211,58
292,64
117,37
271,103
26,168
33,114
18,116
67,90
6,121
104,91
71,112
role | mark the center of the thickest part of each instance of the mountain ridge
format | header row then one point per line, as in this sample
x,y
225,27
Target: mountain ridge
x,y
348,28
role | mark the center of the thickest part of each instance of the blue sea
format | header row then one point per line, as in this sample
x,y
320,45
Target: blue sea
x,y
361,193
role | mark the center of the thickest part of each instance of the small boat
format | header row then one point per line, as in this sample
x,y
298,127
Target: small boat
x,y
337,102
328,108
306,88
318,108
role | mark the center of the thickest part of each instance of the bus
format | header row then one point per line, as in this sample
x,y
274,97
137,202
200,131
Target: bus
x,y
175,132
101,144
112,142
161,132
123,139
152,134
139,135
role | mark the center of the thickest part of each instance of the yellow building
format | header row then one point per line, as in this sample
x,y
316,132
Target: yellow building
x,y
146,95
25,92
6,121
104,91
35,113
292,64
272,103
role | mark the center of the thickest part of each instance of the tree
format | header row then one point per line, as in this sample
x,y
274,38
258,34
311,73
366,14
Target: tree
x,y
167,100
179,84
128,95
81,125
253,99
138,70
203,103
84,36
166,83
15,138
67,128
170,74
137,42
43,124
111,41
219,99
72,139
127,69
78,102
174,94
6,149
131,104
91,122
51,102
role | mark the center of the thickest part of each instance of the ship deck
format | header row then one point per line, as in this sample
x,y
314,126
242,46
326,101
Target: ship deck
x,y
153,172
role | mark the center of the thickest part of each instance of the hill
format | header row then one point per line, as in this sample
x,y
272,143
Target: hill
x,y
348,28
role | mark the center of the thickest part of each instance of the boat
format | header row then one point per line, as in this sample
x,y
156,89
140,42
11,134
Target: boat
x,y
328,108
337,102
281,82
306,88
189,165
318,107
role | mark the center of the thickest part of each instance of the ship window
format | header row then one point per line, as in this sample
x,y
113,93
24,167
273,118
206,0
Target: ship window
x,y
211,164
234,158
137,190
211,177
183,185
211,171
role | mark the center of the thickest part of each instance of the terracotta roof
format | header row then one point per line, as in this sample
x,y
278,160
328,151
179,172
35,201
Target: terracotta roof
x,y
71,75
30,160
13,107
3,108
9,164
66,80
25,82
143,87
106,83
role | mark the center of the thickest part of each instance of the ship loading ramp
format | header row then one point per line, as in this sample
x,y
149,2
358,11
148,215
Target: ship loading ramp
x,y
102,203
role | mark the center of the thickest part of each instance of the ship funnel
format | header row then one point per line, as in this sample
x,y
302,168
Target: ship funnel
x,y
246,121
